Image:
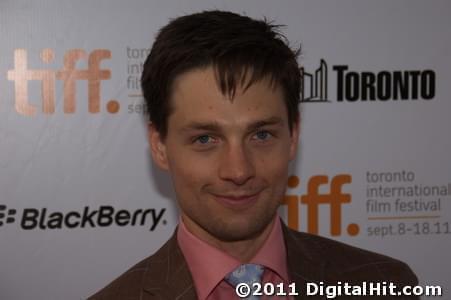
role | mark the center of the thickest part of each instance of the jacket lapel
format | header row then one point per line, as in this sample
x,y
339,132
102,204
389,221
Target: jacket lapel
x,y
305,263
168,276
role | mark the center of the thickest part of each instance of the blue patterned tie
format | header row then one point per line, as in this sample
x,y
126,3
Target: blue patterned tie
x,y
249,274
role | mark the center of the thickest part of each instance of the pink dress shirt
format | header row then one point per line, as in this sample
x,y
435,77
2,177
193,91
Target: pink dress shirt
x,y
209,265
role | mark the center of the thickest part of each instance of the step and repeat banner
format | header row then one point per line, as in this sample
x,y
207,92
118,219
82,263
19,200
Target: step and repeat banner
x,y
80,200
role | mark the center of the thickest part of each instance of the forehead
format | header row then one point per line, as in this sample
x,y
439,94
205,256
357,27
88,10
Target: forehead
x,y
196,96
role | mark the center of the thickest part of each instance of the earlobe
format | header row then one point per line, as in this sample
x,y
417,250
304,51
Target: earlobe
x,y
157,147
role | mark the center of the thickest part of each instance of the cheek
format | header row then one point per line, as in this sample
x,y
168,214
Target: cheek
x,y
274,168
275,156
188,173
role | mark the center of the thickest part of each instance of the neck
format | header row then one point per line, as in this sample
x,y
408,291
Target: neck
x,y
243,250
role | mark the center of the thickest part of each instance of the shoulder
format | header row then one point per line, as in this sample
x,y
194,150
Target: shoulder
x,y
127,285
348,263
130,285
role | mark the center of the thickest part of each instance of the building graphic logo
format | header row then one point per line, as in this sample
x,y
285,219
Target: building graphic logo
x,y
314,86
335,199
366,86
68,74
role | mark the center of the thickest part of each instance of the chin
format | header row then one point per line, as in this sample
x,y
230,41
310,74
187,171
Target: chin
x,y
245,228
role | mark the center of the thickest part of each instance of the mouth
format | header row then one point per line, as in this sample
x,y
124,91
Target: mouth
x,y
237,201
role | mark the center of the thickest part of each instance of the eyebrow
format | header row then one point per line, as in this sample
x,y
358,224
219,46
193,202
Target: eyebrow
x,y
214,126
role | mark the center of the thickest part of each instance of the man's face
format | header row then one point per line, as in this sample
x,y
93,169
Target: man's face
x,y
228,159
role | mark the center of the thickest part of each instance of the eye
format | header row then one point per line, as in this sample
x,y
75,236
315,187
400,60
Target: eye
x,y
204,139
262,135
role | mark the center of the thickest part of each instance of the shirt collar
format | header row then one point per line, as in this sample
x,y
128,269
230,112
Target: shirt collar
x,y
209,265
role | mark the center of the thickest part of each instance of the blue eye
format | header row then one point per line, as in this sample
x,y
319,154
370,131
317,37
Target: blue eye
x,y
262,135
203,139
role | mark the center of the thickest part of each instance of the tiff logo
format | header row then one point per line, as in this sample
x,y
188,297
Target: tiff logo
x,y
314,86
335,199
69,74
10,213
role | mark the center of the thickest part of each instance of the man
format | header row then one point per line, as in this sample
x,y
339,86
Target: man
x,y
223,92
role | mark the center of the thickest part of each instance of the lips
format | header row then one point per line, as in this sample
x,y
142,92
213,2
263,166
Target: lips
x,y
237,201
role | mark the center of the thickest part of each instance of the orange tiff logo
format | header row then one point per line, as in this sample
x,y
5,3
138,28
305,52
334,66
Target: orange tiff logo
x,y
21,74
335,199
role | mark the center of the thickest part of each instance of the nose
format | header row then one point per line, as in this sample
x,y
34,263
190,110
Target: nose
x,y
236,164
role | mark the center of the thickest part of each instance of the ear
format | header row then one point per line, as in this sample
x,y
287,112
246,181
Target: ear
x,y
294,139
157,147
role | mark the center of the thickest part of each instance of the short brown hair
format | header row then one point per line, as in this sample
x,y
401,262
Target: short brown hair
x,y
236,46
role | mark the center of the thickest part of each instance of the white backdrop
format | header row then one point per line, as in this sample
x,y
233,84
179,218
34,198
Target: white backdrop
x,y
80,201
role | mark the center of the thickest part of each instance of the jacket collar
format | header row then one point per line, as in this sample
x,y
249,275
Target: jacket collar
x,y
305,262
168,276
